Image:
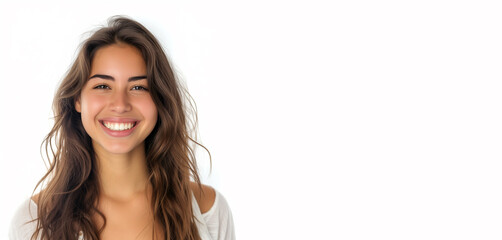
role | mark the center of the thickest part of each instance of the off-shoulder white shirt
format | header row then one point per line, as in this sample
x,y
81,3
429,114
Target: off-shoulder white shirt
x,y
216,224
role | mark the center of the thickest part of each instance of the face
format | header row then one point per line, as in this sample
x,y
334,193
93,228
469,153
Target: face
x,y
116,108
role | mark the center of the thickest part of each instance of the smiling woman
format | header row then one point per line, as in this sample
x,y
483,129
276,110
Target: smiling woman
x,y
122,163
115,101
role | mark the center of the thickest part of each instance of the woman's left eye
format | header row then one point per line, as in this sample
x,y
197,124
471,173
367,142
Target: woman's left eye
x,y
139,88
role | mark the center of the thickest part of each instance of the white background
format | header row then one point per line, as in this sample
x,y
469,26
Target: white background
x,y
325,119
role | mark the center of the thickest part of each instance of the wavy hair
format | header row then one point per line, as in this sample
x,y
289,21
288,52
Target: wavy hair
x,y
67,205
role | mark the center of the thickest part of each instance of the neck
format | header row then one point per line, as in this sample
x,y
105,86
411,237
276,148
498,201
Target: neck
x,y
122,176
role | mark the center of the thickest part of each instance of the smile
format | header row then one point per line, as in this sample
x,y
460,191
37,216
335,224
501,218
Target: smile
x,y
115,126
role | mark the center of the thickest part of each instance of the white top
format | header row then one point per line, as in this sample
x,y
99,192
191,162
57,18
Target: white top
x,y
216,224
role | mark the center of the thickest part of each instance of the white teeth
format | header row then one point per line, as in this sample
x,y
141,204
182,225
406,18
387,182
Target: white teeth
x,y
118,126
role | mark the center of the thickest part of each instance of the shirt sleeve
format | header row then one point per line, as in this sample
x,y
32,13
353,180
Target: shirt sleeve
x,y
219,220
22,225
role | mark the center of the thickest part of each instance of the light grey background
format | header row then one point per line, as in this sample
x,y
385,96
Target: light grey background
x,y
325,119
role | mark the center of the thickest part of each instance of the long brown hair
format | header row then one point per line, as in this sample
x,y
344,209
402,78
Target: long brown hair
x,y
67,203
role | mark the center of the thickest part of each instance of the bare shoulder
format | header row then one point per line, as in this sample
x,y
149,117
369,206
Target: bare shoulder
x,y
205,196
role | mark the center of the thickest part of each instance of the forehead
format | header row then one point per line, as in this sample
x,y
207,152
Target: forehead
x,y
118,59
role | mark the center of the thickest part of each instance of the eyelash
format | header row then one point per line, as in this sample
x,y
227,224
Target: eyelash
x,y
103,86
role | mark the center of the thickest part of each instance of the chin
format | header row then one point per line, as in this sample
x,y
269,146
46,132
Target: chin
x,y
119,148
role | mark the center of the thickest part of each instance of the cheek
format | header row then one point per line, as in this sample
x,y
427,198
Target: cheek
x,y
90,106
149,110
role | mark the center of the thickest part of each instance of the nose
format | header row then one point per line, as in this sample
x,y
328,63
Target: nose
x,y
120,102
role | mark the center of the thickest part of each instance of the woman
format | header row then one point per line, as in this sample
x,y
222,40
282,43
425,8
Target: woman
x,y
122,161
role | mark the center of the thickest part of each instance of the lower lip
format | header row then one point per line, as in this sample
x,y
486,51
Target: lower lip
x,y
123,133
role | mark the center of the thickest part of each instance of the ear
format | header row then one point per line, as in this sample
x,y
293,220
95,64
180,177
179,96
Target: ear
x,y
78,107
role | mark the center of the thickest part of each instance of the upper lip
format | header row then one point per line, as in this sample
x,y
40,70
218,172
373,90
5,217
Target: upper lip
x,y
118,120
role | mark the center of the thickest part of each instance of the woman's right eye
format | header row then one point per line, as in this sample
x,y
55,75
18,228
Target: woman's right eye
x,y
101,86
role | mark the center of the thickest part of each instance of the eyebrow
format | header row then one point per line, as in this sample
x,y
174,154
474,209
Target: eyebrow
x,y
108,77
